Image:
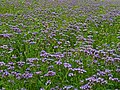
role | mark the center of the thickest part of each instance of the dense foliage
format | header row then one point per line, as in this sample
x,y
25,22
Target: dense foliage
x,y
59,45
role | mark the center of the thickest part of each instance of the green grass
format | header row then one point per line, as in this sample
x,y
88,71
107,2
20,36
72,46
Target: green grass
x,y
61,25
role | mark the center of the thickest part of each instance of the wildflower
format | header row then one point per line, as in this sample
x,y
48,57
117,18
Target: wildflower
x,y
67,65
2,63
6,35
50,73
11,68
5,73
85,87
27,75
38,72
16,29
20,63
58,62
44,53
32,59
67,87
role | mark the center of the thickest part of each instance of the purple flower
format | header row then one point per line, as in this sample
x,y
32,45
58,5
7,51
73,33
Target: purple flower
x,y
32,43
20,63
67,65
50,73
58,62
5,73
31,60
16,29
38,72
6,35
57,55
11,63
55,46
2,64
11,68
118,70
85,87
44,54
95,61
67,87
101,73
27,75
59,42
107,71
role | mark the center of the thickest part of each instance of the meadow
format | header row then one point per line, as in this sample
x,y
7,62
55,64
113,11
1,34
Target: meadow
x,y
59,45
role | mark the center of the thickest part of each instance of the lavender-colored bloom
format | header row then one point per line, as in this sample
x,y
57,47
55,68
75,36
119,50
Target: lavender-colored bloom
x,y
28,69
1,15
11,68
117,59
67,65
20,63
59,42
50,73
67,87
11,63
109,59
55,46
50,67
57,55
14,57
27,75
16,29
79,70
38,72
85,87
6,35
58,62
95,61
7,14
31,60
91,79
44,59
114,79
1,71
18,75
107,71
101,73
2,64
118,70
32,43
5,73
44,54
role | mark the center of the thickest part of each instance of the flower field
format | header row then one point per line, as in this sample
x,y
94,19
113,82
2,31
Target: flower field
x,y
59,45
